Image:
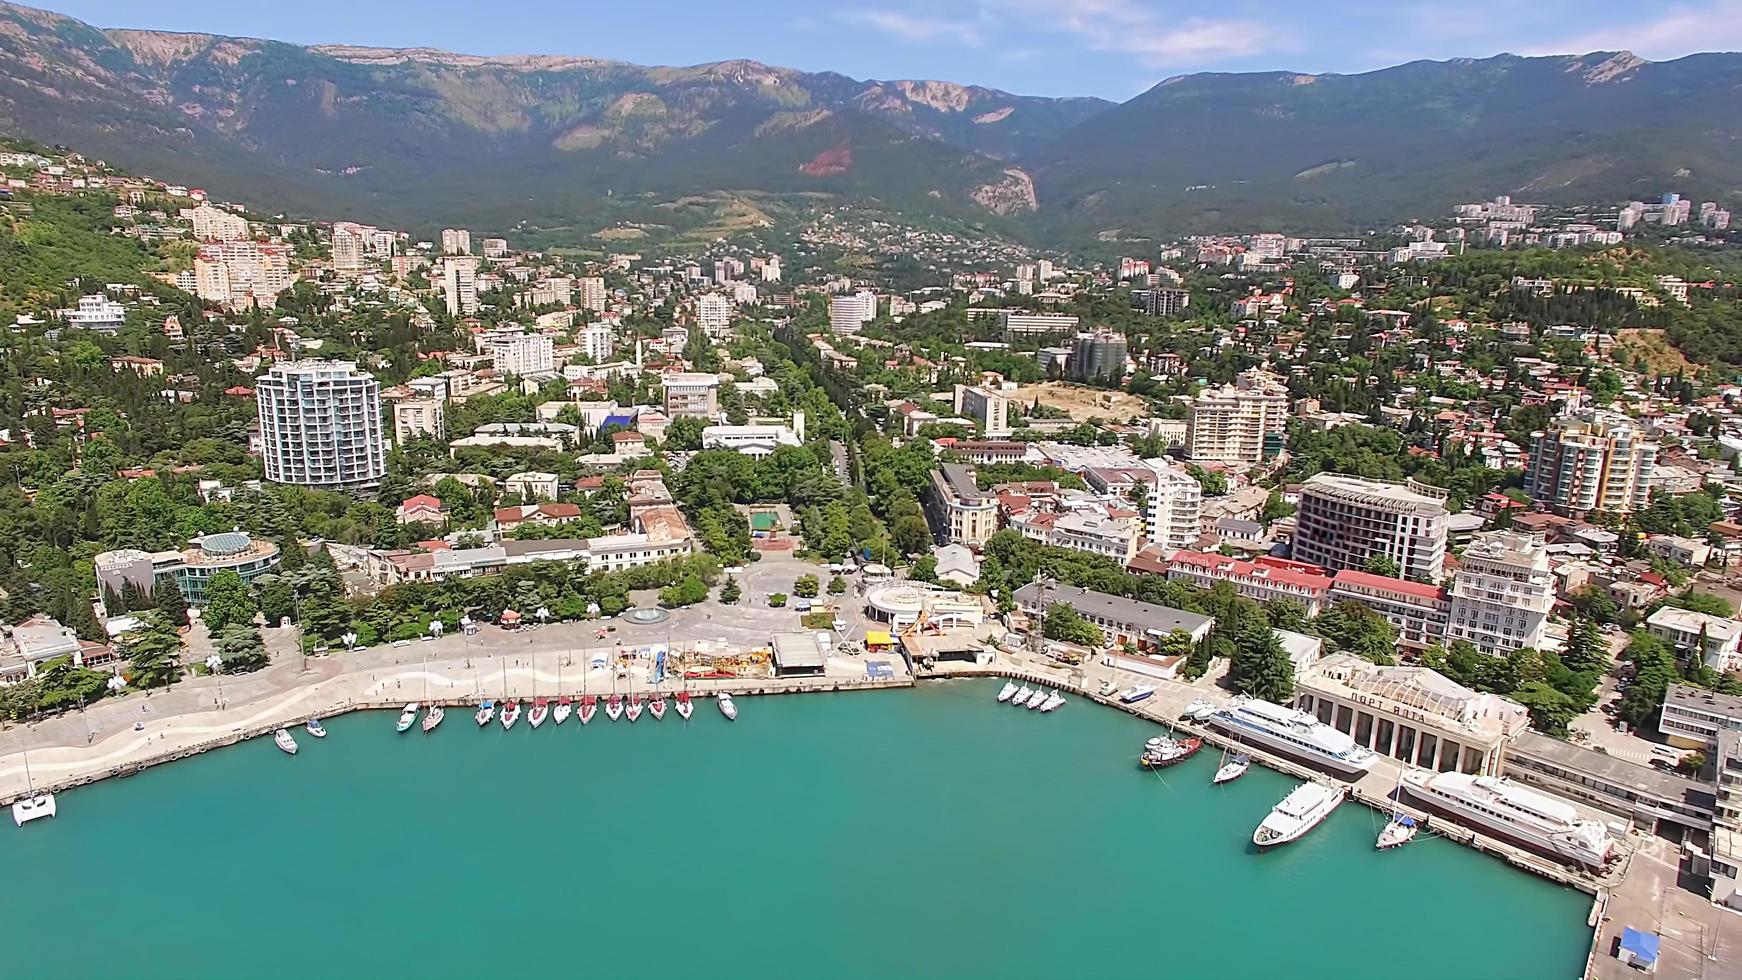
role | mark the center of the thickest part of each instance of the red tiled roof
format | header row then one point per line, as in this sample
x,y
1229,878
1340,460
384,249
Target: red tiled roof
x,y
1222,565
1381,583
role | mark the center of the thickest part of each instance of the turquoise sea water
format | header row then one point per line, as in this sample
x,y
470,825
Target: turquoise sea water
x,y
909,833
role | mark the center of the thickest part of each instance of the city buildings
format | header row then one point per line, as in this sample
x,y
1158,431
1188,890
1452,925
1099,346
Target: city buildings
x,y
756,439
960,512
1263,579
456,241
242,273
591,293
418,418
1343,521
190,569
691,394
848,314
985,406
1096,534
320,425
1097,356
212,224
348,247
460,284
1173,508
597,341
714,315
96,312
1694,717
519,354
1592,461
1502,593
1144,625
1161,301
1713,639
1417,611
1242,423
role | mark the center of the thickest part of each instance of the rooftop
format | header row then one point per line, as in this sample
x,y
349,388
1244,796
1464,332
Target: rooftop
x,y
1703,699
1380,583
1373,493
1645,780
1147,616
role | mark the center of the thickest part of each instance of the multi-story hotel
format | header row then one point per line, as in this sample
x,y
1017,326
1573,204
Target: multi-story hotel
x,y
456,241
592,293
1343,521
1264,579
1418,612
1174,507
961,513
241,272
190,569
1502,593
1593,461
990,408
320,425
849,314
714,314
519,354
460,284
1239,423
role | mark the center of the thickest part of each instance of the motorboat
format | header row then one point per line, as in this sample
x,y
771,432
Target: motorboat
x,y
564,708
540,711
589,707
1399,831
35,807
634,711
408,717
433,718
1497,805
727,708
656,707
1163,751
1132,695
1199,710
1036,699
1053,702
1294,733
1022,695
1232,769
510,714
614,707
284,741
684,707
315,728
1008,690
1304,808
486,711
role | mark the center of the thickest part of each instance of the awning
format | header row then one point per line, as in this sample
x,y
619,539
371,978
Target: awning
x,y
878,638
1640,947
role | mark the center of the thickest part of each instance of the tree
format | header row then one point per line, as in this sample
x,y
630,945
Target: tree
x,y
83,620
777,599
806,586
685,433
1550,710
1356,628
227,602
1063,622
1261,667
1586,648
60,684
171,603
1703,602
688,592
730,592
1382,565
1594,602
153,652
240,649
837,585
911,534
924,569
1286,614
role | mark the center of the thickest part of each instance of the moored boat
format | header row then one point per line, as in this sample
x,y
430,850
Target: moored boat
x,y
433,718
727,708
486,711
540,711
684,707
1008,690
33,807
1399,831
1022,695
1293,733
510,714
1233,769
634,710
1036,699
315,728
1199,710
1304,808
1053,702
614,707
284,741
1498,806
1162,751
408,717
564,707
656,707
589,707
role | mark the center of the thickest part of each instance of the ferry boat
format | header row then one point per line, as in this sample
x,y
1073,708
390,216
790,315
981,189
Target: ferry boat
x,y
727,708
1293,733
564,708
540,710
1132,695
315,728
433,718
486,711
510,714
634,711
408,717
589,707
1008,690
33,807
1022,695
1300,811
284,741
1162,751
1399,831
1232,769
1053,702
1501,807
684,707
656,707
614,707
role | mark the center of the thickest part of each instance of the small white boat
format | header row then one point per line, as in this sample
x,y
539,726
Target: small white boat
x,y
540,711
1053,702
510,714
656,707
486,711
727,708
284,741
684,707
634,711
1022,695
1036,699
1132,695
1398,832
1198,710
1009,689
614,707
564,707
34,807
1233,769
408,717
1300,811
315,728
589,708
433,718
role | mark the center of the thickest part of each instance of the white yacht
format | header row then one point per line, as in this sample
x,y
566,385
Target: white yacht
x,y
1009,689
1022,695
1232,769
727,708
408,717
433,718
1036,699
284,741
486,711
1053,702
1141,692
33,807
564,707
1499,806
1294,733
1300,811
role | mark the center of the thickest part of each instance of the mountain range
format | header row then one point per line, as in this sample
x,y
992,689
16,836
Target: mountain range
x,y
420,137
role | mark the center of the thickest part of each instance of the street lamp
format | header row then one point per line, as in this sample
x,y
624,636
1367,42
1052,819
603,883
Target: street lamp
x,y
213,663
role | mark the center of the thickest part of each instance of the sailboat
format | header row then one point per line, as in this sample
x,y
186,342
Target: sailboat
x,y
486,711
35,805
589,707
634,711
614,707
656,707
284,741
540,709
1401,828
408,717
433,718
565,705
684,707
1231,768
315,728
510,714
727,708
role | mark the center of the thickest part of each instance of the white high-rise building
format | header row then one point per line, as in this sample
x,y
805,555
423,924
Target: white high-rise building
x,y
1269,246
850,313
771,269
415,418
1343,521
320,425
215,224
592,293
1502,593
596,341
519,354
714,314
235,272
495,248
1592,461
456,241
1174,507
460,284
348,246
1239,423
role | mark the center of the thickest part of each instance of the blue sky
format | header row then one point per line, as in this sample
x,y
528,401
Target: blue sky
x,y
1110,48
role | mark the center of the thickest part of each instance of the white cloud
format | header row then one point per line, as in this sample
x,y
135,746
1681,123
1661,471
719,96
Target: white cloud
x,y
911,27
1157,40
1681,30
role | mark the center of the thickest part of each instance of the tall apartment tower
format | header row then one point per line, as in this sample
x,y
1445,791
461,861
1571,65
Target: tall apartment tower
x,y
849,314
460,284
1343,521
1174,508
714,314
1098,356
1592,461
1239,423
456,241
348,245
592,293
320,425
1502,593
